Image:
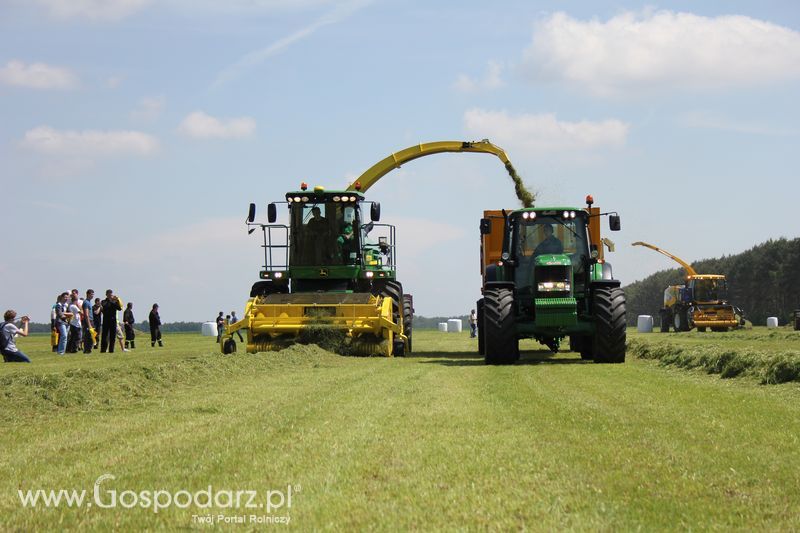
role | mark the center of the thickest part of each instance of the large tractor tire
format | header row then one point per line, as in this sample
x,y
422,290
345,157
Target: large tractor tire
x,y
500,332
481,341
608,307
408,320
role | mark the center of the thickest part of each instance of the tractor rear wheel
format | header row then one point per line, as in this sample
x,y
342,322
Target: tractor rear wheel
x,y
481,341
586,348
608,307
408,319
500,333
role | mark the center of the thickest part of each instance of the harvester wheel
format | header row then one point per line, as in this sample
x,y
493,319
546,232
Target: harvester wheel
x,y
408,320
665,320
608,307
679,321
393,290
481,341
229,347
500,334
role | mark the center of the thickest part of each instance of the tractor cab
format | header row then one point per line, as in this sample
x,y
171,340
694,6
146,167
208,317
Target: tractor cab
x,y
550,249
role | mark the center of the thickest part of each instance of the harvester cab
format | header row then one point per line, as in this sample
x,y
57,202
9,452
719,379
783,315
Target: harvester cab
x,y
327,270
545,277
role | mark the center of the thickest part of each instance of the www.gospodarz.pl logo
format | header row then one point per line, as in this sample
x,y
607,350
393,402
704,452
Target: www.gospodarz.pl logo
x,y
104,496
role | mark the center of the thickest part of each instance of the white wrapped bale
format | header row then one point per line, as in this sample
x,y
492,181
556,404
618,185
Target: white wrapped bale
x,y
772,322
209,329
454,325
644,324
443,327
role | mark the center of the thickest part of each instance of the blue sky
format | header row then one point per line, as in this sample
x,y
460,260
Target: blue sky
x,y
135,132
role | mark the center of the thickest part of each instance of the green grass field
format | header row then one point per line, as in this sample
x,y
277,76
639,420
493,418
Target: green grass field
x,y
433,441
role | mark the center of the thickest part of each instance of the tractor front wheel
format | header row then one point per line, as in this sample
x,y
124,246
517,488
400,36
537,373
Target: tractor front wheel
x,y
481,341
608,307
500,333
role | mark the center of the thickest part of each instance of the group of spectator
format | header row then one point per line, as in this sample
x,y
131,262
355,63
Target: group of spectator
x,y
223,322
76,321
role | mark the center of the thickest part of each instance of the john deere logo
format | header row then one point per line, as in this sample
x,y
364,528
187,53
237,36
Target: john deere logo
x,y
323,272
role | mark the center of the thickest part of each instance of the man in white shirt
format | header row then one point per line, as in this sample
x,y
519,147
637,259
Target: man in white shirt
x,y
12,354
75,332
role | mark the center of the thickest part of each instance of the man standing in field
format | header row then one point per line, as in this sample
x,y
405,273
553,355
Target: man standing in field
x,y
128,320
109,308
86,320
155,326
473,324
233,321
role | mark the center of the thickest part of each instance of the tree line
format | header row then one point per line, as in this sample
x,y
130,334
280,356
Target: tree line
x,y
763,281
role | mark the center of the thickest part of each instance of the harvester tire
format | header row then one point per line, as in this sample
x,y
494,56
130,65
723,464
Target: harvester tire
x,y
500,332
679,321
393,290
481,341
408,320
229,347
665,320
608,307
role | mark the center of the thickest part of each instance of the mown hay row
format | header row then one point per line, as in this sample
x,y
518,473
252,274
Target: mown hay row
x,y
768,367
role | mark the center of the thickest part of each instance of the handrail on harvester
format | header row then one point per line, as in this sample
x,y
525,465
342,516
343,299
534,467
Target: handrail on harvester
x,y
393,161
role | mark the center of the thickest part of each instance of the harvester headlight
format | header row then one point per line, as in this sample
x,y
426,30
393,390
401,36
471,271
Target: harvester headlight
x,y
305,198
336,198
297,198
353,198
278,275
565,214
553,286
289,199
369,274
532,214
572,214
525,215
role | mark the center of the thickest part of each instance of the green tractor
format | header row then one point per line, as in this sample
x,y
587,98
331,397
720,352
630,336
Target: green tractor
x,y
545,277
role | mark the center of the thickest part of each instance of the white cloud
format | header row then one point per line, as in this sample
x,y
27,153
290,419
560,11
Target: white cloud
x,y
93,9
340,12
89,143
149,109
37,76
538,134
662,49
492,80
200,125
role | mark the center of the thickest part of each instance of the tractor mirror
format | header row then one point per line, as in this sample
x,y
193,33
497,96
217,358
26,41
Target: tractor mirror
x,y
251,214
375,212
272,213
486,226
614,222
